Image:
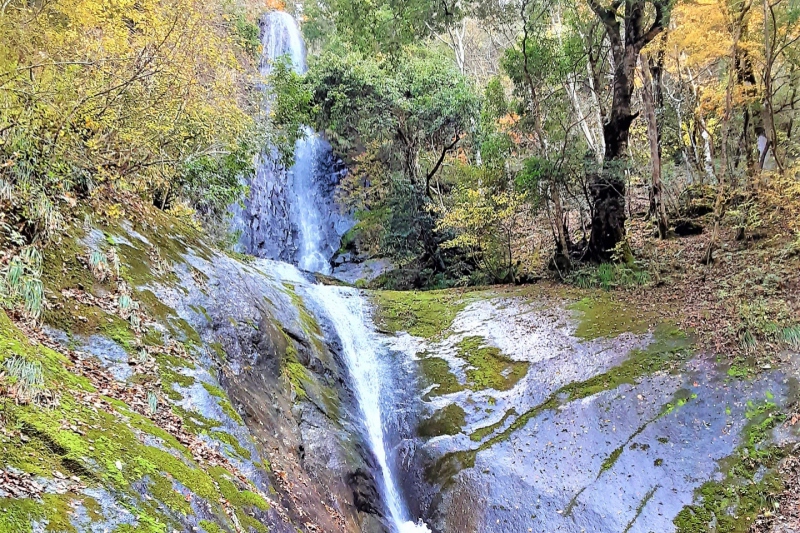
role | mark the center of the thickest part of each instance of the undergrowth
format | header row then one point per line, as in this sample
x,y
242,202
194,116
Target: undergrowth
x,y
609,276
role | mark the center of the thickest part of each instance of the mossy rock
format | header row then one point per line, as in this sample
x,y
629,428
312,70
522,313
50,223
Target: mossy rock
x,y
600,316
435,372
426,314
105,445
488,367
447,421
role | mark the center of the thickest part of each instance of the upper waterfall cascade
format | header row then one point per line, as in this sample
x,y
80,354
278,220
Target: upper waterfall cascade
x,y
291,214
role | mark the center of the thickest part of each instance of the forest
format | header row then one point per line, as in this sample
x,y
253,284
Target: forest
x,y
587,219
487,139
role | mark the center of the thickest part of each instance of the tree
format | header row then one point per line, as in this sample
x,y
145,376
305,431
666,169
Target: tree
x,y
140,98
406,115
628,32
653,102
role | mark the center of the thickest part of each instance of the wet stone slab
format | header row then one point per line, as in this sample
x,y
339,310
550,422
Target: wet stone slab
x,y
587,440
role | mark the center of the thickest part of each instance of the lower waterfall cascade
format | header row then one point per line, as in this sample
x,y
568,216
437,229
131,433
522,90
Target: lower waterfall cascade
x,y
346,310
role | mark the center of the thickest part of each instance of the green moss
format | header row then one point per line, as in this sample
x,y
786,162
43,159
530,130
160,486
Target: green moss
x,y
170,377
640,507
237,497
481,433
223,402
63,269
162,489
120,331
611,459
446,421
154,307
194,422
669,346
741,490
444,469
422,314
600,316
219,350
488,367
17,515
436,372
307,320
298,377
249,523
56,366
231,441
153,337
210,527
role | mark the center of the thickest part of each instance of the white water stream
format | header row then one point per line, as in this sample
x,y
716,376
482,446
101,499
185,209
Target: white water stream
x,y
283,38
346,310
344,307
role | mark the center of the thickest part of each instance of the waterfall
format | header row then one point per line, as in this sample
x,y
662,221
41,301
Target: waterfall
x,y
344,307
290,214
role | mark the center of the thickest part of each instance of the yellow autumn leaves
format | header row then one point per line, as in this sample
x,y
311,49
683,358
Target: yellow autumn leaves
x,y
122,91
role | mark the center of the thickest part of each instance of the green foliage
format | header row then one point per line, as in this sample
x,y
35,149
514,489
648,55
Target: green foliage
x,y
489,227
608,276
21,284
212,182
26,379
398,120
248,34
128,110
379,27
291,107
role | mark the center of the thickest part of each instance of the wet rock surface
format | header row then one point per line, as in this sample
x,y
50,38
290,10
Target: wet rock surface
x,y
230,351
614,427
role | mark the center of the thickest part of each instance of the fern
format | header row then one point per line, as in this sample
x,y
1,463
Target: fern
x,y
606,276
98,264
125,303
22,285
152,402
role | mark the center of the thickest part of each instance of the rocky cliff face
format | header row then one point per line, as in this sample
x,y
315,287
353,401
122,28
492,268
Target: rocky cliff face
x,y
184,390
545,409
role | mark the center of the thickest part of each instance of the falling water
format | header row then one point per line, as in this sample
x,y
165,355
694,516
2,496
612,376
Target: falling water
x,y
304,211
291,215
345,308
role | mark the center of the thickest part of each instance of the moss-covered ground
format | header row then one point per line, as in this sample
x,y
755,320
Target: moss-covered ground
x,y
101,440
426,314
487,367
749,484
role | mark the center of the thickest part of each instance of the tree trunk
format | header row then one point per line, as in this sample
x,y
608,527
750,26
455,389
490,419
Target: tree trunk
x,y
722,181
651,101
608,186
558,214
